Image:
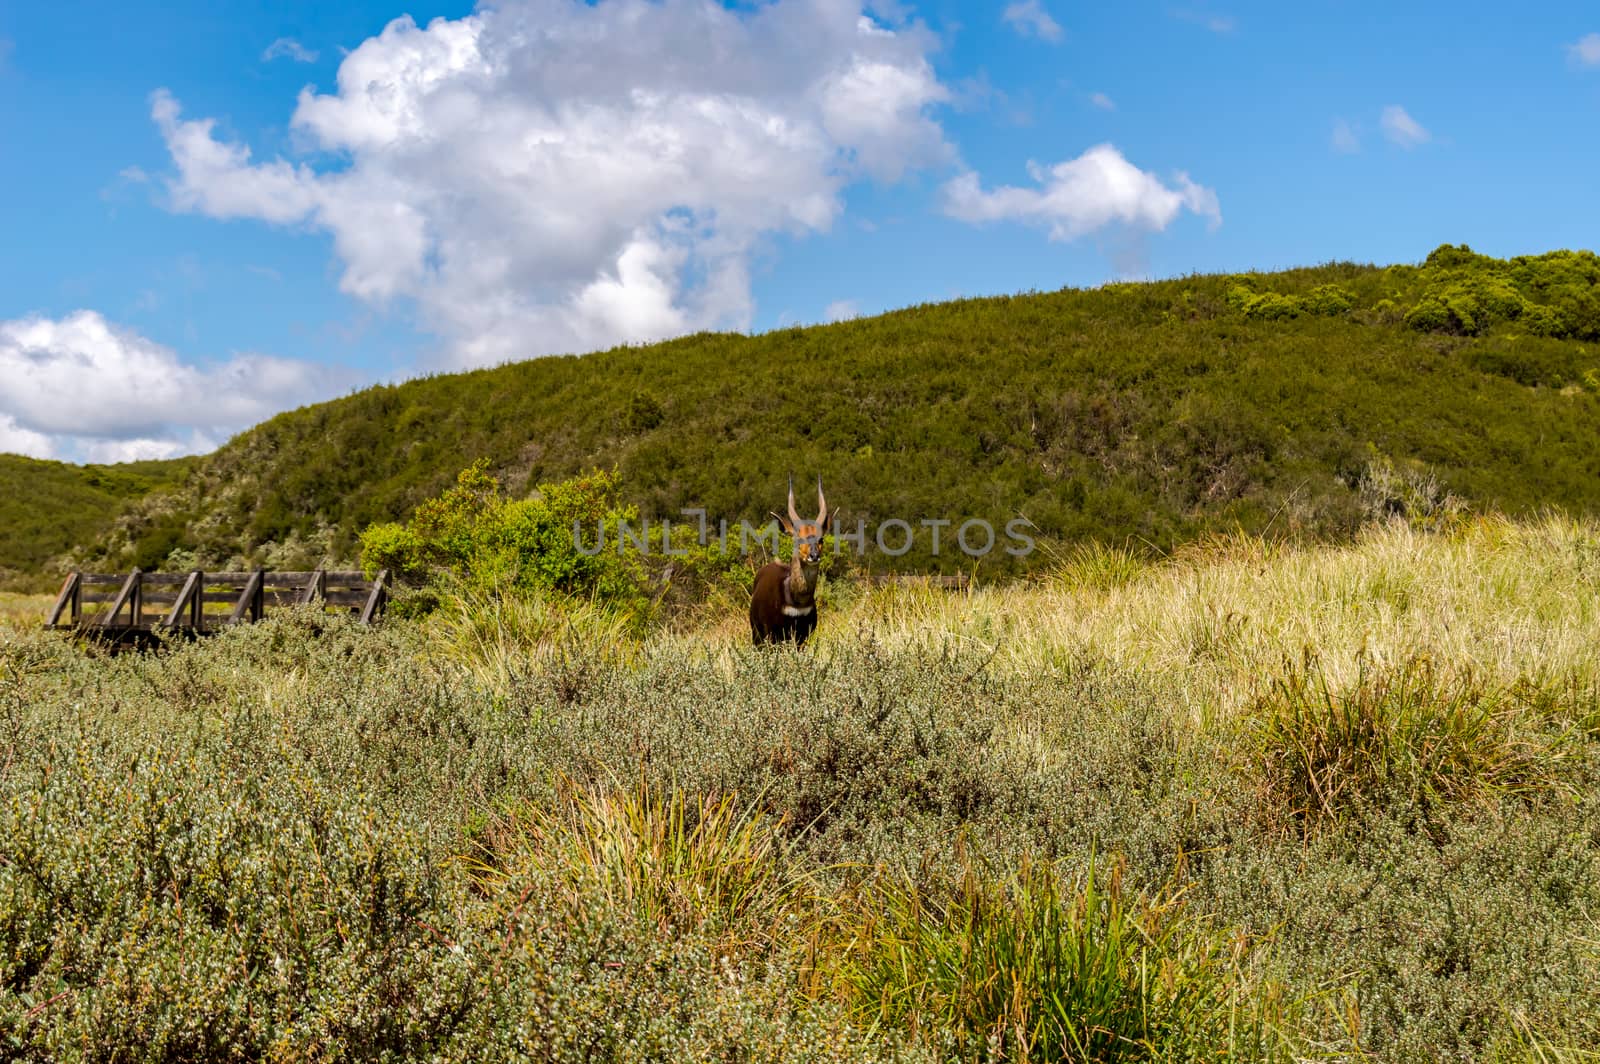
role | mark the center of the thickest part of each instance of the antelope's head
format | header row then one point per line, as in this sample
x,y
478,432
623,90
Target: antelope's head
x,y
807,534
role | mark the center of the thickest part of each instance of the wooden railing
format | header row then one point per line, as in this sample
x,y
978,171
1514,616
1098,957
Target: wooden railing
x,y
199,602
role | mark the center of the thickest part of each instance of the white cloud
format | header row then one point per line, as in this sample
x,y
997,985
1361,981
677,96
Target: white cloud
x,y
841,310
1401,128
1345,140
1586,50
14,439
81,387
1029,18
1097,190
142,450
547,175
288,48
1102,101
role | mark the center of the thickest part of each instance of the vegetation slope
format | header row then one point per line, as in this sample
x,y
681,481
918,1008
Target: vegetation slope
x,y
1300,401
49,508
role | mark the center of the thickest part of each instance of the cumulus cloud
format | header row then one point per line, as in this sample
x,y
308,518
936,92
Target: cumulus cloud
x,y
288,48
79,387
841,310
1098,190
1401,128
550,175
1345,141
1030,19
14,439
1586,50
1102,101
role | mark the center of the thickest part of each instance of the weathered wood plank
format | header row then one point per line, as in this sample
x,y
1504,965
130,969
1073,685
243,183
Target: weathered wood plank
x,y
188,596
249,604
315,588
71,589
375,603
128,585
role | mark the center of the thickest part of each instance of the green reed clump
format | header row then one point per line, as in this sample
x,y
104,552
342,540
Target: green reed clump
x,y
1411,729
1045,964
1093,564
675,862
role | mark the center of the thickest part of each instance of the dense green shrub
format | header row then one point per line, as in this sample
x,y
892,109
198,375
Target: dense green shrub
x,y
573,538
1555,295
476,535
1329,300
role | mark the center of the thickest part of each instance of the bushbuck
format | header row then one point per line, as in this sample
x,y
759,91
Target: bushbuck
x,y
784,603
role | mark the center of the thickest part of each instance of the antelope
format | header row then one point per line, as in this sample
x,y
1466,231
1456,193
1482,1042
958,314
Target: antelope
x,y
783,605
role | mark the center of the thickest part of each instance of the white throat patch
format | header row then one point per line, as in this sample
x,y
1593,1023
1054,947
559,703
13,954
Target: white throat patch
x,y
797,611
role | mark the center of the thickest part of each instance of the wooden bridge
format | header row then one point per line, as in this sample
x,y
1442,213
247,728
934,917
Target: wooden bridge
x,y
138,604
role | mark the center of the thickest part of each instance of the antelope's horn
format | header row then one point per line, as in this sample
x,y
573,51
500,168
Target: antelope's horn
x,y
822,505
794,515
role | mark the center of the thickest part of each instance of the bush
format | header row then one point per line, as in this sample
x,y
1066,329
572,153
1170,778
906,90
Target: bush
x,y
1264,306
1408,731
484,541
1330,300
1046,965
1467,293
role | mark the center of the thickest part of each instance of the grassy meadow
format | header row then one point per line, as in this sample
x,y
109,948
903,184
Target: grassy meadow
x,y
1249,801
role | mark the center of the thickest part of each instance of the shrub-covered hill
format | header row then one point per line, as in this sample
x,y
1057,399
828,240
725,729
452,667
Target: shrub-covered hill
x,y
48,508
1296,401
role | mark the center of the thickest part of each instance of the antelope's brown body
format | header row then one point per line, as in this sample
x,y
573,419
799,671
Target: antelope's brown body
x,y
774,616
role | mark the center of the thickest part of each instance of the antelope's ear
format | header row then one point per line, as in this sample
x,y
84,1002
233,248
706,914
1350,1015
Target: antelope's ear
x,y
783,522
832,521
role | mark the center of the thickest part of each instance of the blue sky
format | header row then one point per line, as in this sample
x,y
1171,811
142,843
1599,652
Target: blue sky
x,y
212,212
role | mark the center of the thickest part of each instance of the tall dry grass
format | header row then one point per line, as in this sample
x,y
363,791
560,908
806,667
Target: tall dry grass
x,y
1516,599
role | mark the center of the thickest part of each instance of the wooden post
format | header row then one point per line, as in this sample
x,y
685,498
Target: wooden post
x,y
189,597
197,605
316,587
249,600
129,587
69,597
374,604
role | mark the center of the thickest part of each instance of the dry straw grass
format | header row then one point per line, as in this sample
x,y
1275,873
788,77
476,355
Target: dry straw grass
x,y
1516,600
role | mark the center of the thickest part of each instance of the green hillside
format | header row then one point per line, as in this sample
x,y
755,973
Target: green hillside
x,y
1300,401
48,508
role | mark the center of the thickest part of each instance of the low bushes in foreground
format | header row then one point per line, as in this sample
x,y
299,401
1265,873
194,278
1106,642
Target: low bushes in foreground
x,y
1005,824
